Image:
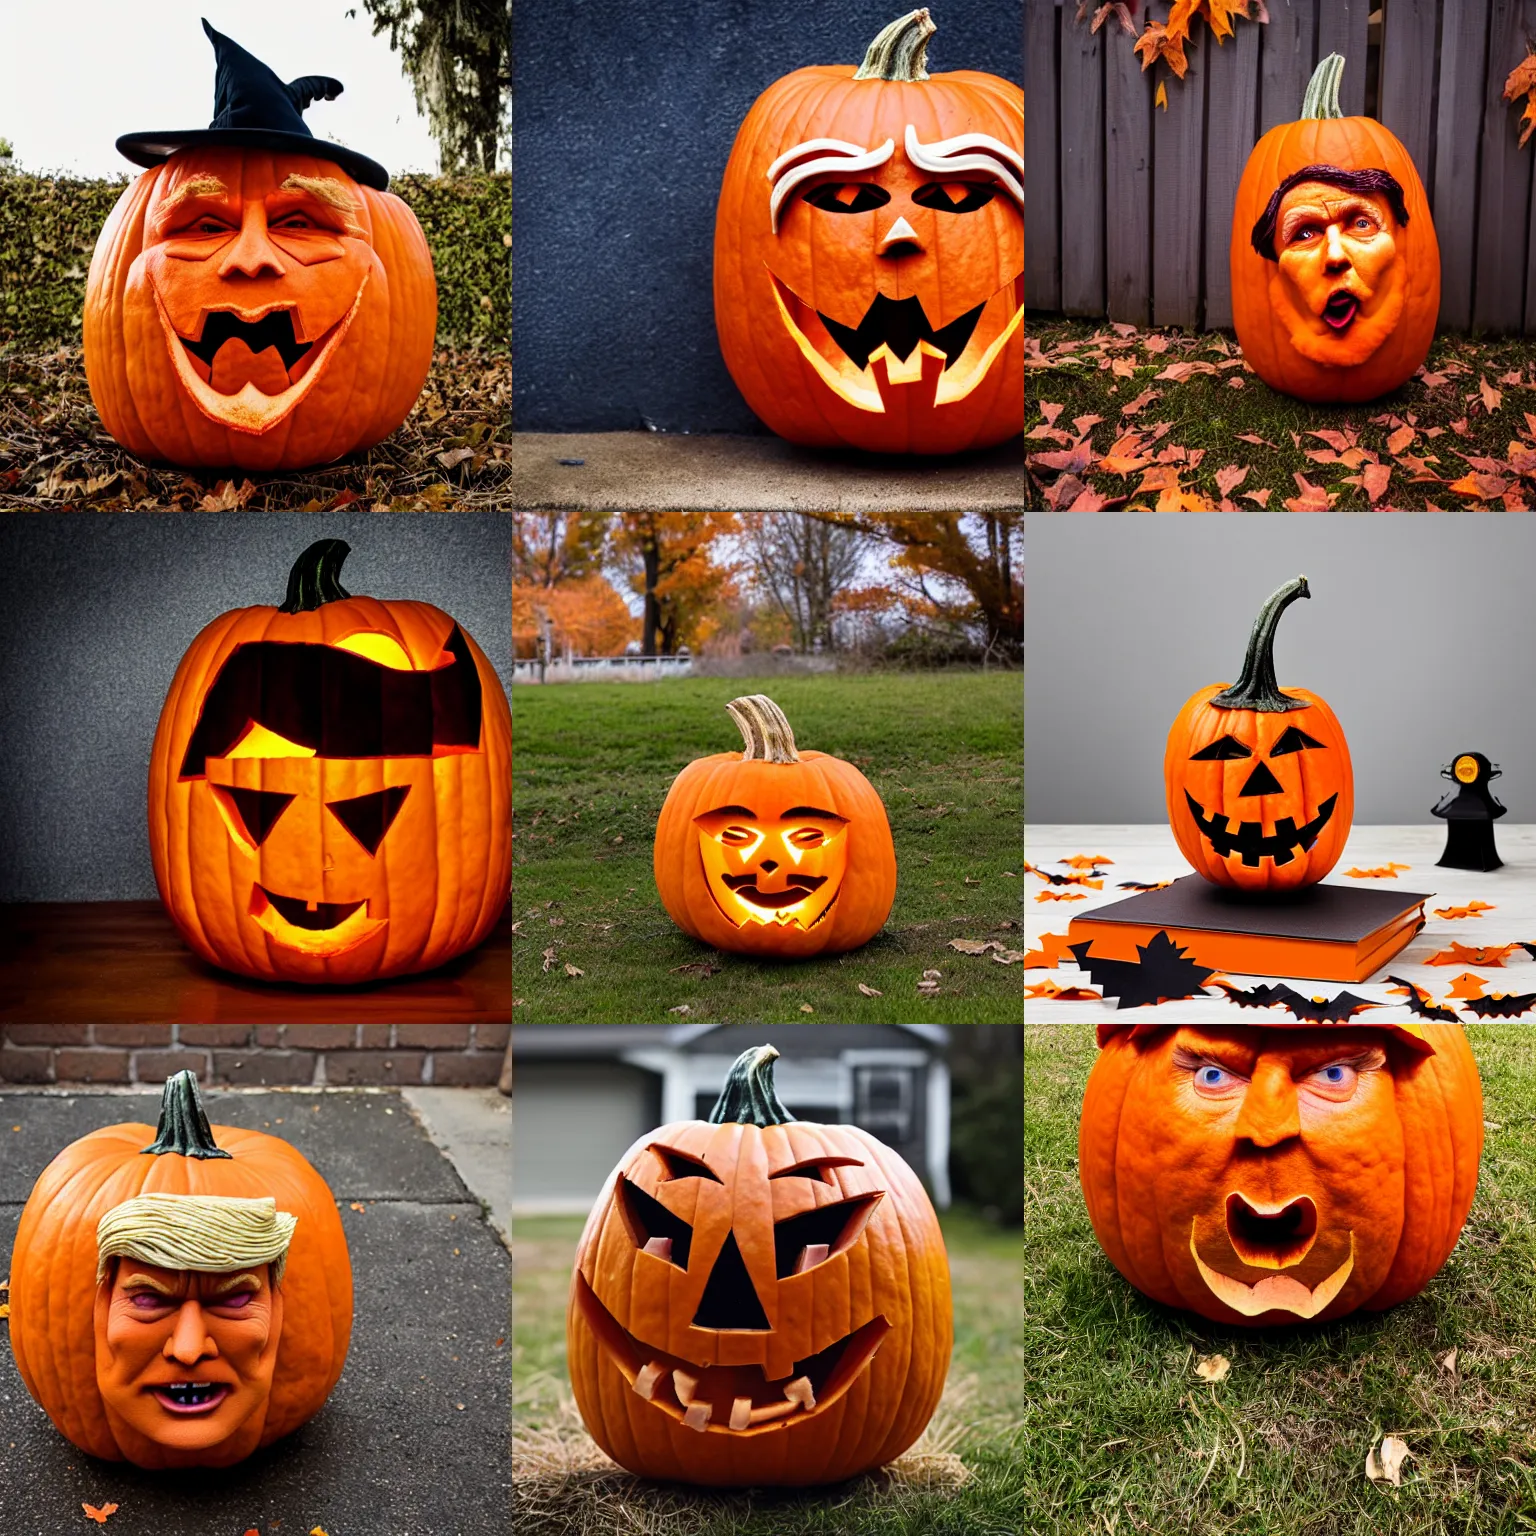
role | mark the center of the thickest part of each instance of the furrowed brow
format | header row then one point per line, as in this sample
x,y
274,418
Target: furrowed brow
x,y
148,1283
793,167
970,152
328,190
236,1283
810,810
193,186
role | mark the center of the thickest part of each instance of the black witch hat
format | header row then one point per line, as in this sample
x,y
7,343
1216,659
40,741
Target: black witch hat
x,y
252,108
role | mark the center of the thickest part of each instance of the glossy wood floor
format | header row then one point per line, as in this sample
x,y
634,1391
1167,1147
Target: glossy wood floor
x,y
123,962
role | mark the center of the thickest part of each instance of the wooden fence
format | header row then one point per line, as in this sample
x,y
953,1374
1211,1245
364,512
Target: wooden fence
x,y
1130,207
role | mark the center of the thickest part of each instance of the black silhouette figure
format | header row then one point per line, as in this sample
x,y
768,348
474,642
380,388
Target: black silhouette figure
x,y
1469,813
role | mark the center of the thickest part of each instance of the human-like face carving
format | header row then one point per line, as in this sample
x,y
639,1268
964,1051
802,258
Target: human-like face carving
x,y
1340,283
184,1359
256,265
783,867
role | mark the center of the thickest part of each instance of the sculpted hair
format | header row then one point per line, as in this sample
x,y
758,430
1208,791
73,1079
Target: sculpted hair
x,y
1382,182
209,1233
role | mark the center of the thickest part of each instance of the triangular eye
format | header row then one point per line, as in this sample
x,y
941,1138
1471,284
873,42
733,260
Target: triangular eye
x,y
680,1166
1293,740
801,1242
1222,750
369,817
256,810
652,1226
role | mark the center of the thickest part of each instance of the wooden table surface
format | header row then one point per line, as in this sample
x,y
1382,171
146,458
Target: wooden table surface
x,y
123,962
1150,853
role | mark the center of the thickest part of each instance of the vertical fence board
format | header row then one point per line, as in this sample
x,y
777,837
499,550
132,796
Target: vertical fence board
x,y
1286,62
1463,61
1082,166
1042,218
1409,45
1232,81
1127,181
1178,173
1341,28
1504,196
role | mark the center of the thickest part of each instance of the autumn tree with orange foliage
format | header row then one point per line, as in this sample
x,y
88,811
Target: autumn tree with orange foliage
x,y
557,578
681,580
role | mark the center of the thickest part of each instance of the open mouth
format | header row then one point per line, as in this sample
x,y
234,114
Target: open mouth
x,y
1340,310
1248,838
322,928
191,1397
251,374
1276,1292
799,887
316,916
895,343
731,1399
1271,1237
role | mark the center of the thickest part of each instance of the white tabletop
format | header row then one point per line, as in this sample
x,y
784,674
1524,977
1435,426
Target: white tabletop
x,y
1149,853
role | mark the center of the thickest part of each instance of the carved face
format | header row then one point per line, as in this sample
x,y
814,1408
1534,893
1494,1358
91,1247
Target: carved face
x,y
185,1359
1340,285
1264,1175
780,868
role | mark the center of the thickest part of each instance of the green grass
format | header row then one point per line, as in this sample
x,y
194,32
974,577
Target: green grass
x,y
1119,1435
1206,413
978,1421
592,764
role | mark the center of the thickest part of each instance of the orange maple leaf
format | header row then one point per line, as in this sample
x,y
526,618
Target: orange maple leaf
x,y
1466,986
1053,951
1160,41
1219,14
1049,989
1380,872
1049,895
1472,909
1085,861
1466,954
99,1515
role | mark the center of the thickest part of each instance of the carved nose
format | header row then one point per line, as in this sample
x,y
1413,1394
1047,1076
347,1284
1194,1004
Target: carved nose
x,y
768,866
899,238
1261,782
730,1300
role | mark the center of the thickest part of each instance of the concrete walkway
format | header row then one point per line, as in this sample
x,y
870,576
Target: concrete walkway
x,y
413,1441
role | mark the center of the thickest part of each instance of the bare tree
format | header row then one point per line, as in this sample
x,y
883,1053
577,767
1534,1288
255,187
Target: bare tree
x,y
802,565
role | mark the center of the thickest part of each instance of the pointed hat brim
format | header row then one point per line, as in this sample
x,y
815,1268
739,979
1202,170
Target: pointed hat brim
x,y
151,149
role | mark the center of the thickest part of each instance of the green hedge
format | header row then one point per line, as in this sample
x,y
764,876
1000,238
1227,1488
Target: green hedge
x,y
48,228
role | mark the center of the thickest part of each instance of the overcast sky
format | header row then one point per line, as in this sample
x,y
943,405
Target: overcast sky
x,y
74,74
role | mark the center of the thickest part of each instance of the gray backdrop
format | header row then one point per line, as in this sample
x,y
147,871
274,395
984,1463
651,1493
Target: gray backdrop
x,y
95,616
622,119
1421,634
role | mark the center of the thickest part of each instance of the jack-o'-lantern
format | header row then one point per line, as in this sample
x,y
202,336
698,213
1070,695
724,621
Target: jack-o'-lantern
x,y
1259,785
774,851
1335,265
1263,1174
180,1303
758,1299
256,297
869,253
330,786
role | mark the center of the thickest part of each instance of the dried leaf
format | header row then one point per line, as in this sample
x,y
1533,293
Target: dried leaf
x,y
974,946
549,957
1161,99
1384,1463
1472,909
1262,497
1379,872
1050,410
1447,1361
681,1008
1258,442
870,991
806,1008
1178,372
1484,486
573,970
1312,498
99,1514
1399,440
1053,951
1213,1368
931,975
1140,403
1228,479
1375,478
1492,398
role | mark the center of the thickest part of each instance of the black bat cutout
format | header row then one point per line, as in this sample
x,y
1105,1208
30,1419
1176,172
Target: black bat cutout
x,y
1265,996
1322,1009
1142,885
1163,974
1530,949
1421,1003
1505,1006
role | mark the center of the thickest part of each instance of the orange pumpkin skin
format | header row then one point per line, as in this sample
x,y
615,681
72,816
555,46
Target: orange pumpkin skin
x,y
630,1307
1261,297
360,287
859,863
54,1287
1391,1183
1295,774
439,877
775,279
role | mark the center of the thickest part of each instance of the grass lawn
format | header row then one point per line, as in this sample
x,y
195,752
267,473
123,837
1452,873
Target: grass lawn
x,y
1120,1436
1448,448
963,1478
593,762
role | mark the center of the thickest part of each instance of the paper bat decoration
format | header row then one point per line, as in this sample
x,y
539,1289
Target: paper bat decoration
x,y
1164,973
1053,951
1049,989
1466,986
1466,954
1322,1009
1502,1005
1084,861
1421,1003
1144,885
1266,996
1061,896
1045,874
1381,872
1472,909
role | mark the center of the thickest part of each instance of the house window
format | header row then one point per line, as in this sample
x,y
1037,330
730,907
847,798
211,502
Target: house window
x,y
883,1102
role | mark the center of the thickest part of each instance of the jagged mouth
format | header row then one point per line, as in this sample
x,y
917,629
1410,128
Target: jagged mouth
x,y
244,406
191,1397
1341,309
800,886
1249,840
1274,1292
731,1399
316,928
895,343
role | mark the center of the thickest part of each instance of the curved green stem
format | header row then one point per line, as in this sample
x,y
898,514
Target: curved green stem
x,y
1322,98
316,576
1257,689
749,1097
183,1127
900,51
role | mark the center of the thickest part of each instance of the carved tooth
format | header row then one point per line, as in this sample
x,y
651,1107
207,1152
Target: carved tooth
x,y
810,1256
800,1391
741,1413
645,1382
660,1246
697,1416
686,1385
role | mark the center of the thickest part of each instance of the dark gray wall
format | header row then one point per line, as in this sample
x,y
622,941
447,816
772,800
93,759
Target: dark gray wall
x,y
622,119
96,614
1420,634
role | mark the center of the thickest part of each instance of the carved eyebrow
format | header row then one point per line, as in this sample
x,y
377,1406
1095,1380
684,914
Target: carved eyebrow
x,y
815,1168
810,810
680,1165
970,152
731,810
791,168
193,186
237,1283
328,190
149,1283
1187,1060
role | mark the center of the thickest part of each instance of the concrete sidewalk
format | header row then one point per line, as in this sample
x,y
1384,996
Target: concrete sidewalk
x,y
414,1440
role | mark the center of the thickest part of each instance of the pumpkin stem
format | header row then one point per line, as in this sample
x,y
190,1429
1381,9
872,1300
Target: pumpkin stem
x,y
749,1097
764,729
183,1127
1322,98
1257,689
316,576
899,51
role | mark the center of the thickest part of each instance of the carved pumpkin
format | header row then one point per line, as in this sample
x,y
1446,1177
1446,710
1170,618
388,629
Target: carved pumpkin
x,y
869,253
1268,1174
330,786
1260,789
774,851
1335,265
112,1225
758,1299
